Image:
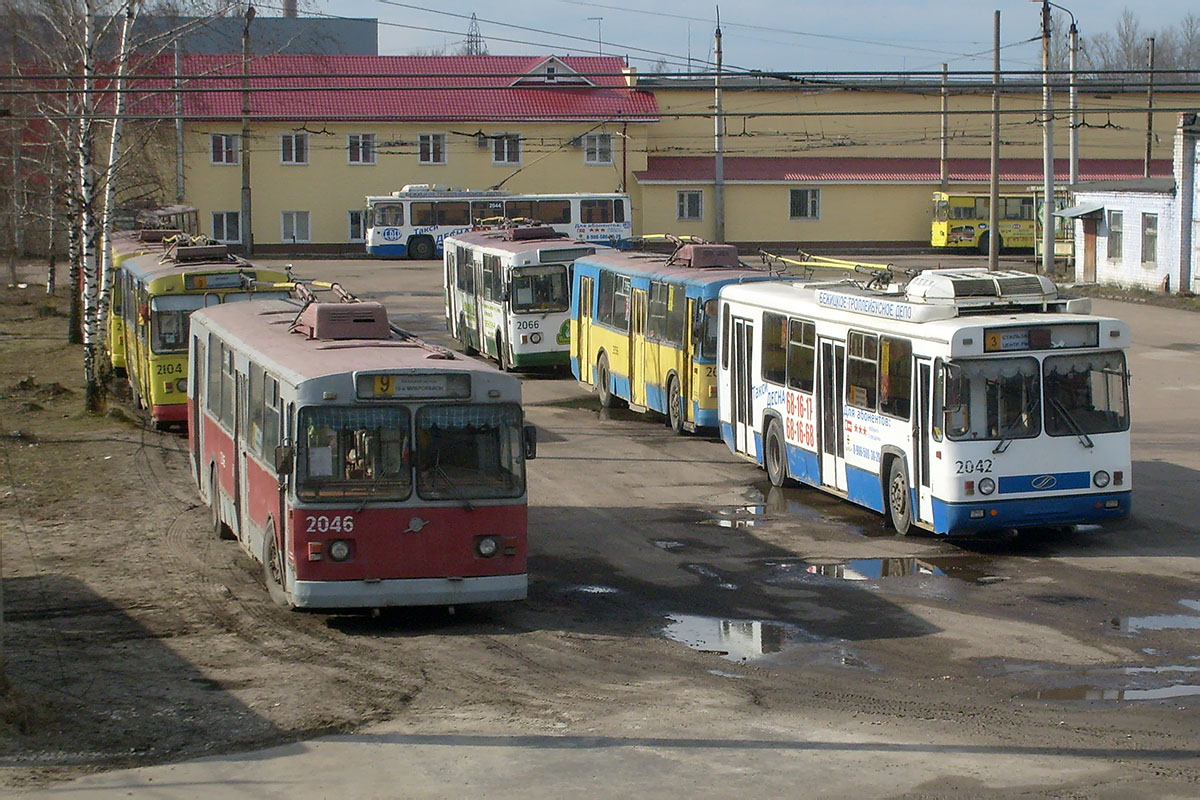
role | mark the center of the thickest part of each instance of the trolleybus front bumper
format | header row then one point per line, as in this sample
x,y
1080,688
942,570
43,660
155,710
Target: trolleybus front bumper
x,y
172,412
409,592
1029,512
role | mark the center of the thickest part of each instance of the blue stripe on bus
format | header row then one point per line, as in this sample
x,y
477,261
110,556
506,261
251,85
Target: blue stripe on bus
x,y
864,488
389,250
803,465
1044,482
1028,512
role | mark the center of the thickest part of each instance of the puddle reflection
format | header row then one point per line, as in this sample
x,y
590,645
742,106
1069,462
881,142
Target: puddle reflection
x,y
1161,622
873,569
1096,693
734,639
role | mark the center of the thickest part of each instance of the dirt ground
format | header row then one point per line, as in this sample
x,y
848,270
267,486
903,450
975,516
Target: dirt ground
x,y
134,637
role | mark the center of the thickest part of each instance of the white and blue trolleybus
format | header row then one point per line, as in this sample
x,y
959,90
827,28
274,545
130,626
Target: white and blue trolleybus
x,y
964,402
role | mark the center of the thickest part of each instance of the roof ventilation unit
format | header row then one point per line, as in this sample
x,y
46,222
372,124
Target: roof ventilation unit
x,y
706,255
363,320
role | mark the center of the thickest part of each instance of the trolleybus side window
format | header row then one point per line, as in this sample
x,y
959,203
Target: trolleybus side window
x,y
228,386
895,377
554,212
493,278
271,416
667,313
706,323
1085,394
620,310
389,215
774,348
801,355
466,275
469,451
595,211
862,370
725,333
257,405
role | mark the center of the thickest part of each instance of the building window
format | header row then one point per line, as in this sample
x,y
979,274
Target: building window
x,y
295,226
361,147
225,148
1116,220
226,227
1149,238
597,148
432,148
690,204
358,231
506,149
805,204
293,148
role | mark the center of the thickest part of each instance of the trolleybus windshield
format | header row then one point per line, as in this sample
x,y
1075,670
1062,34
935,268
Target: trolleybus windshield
x,y
1086,394
469,451
541,288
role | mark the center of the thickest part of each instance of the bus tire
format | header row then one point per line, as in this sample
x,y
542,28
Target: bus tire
x,y
502,354
274,571
220,529
603,384
775,454
899,499
675,406
421,248
985,246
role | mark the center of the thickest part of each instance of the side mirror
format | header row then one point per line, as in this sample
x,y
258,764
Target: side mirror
x,y
530,438
285,457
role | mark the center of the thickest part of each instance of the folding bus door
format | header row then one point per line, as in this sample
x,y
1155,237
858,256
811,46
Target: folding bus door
x,y
922,445
741,404
832,370
583,330
637,350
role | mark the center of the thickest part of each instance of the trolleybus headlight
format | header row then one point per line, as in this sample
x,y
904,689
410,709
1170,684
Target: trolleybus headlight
x,y
181,385
487,546
987,486
339,550
536,338
1100,479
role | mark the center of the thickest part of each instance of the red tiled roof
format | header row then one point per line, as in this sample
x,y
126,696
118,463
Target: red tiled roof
x,y
393,88
833,169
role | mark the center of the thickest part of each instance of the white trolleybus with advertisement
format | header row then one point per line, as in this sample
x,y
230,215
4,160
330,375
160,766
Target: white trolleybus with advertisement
x,y
508,294
415,221
965,402
360,466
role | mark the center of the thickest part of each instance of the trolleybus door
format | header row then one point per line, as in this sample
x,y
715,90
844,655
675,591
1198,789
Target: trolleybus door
x,y
922,425
583,348
741,387
241,483
831,413
637,349
199,364
450,300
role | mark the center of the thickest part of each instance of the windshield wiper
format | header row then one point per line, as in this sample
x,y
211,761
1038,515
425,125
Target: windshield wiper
x,y
437,467
1005,437
1071,423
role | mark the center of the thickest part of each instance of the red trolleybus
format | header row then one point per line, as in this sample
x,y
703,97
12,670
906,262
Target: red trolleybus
x,y
361,466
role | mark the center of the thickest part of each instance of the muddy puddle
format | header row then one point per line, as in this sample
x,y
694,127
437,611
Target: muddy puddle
x,y
965,569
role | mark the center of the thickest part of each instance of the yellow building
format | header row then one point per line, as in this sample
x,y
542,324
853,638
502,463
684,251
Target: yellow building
x,y
823,165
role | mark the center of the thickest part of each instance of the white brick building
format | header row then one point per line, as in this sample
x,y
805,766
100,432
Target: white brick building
x,y
1143,233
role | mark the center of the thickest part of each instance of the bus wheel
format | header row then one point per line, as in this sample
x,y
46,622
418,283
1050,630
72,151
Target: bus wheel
x,y
898,497
421,248
775,454
603,387
273,569
502,354
984,244
674,406
220,529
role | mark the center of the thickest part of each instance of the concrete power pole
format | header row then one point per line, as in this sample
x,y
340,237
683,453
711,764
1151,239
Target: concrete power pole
x,y
994,177
1149,106
247,228
718,147
1048,145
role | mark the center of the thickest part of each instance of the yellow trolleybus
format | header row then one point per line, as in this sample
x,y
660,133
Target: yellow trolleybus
x,y
153,294
644,328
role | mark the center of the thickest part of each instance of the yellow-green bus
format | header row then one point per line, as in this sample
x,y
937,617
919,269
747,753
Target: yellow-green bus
x,y
961,220
644,328
154,294
156,226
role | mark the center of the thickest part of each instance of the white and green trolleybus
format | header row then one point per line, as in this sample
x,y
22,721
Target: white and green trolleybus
x,y
965,402
508,293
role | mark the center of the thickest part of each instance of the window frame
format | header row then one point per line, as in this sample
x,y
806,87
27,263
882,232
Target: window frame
x,y
362,225
431,149
1116,234
293,149
504,147
283,226
231,150
1149,239
364,145
812,206
595,146
225,215
683,199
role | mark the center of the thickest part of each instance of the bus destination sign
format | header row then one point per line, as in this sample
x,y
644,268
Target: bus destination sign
x,y
413,386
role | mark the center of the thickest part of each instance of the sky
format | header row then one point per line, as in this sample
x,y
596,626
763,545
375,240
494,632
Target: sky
x,y
772,35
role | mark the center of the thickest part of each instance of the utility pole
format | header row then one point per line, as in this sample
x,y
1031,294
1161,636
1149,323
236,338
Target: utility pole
x,y
1072,65
599,38
944,163
994,177
247,228
1149,106
1048,148
475,45
718,147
